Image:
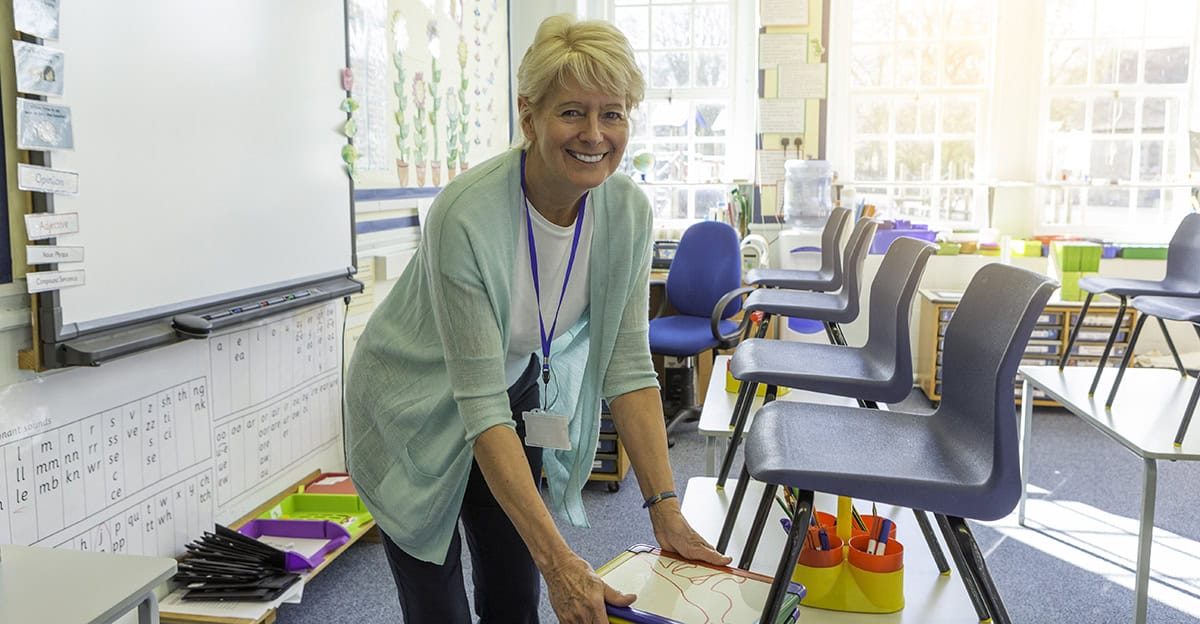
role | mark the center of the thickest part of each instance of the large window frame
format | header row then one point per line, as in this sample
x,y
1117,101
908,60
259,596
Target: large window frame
x,y
701,135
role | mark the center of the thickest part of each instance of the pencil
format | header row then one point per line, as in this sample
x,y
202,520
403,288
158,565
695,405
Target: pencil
x,y
858,521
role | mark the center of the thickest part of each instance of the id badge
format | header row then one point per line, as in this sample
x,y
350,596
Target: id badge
x,y
546,430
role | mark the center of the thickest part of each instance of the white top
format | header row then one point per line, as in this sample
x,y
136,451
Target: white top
x,y
553,251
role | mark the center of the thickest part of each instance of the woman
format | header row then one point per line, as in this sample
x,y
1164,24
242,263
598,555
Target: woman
x,y
456,369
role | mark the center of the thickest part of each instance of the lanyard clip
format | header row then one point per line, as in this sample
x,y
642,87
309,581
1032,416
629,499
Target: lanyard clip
x,y
546,372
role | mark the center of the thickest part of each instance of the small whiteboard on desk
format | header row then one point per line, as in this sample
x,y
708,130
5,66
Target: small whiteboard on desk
x,y
208,146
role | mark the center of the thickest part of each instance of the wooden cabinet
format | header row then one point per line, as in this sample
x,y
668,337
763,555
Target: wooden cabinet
x,y
1046,343
611,463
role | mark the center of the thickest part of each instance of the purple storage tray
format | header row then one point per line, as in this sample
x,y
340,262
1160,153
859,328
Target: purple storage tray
x,y
308,529
883,238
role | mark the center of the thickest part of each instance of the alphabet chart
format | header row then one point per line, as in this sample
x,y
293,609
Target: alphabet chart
x,y
143,454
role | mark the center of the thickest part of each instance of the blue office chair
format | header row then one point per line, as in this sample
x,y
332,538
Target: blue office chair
x,y
961,461
704,286
827,278
1182,279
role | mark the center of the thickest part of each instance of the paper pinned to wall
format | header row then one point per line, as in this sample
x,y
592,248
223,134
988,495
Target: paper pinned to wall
x,y
781,115
776,49
784,12
802,80
770,165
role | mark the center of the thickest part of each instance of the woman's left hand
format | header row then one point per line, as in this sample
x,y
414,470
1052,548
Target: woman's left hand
x,y
675,534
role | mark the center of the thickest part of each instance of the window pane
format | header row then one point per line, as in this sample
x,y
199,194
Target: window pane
x,y
1068,62
669,118
643,63
1113,114
1160,115
1167,64
679,204
874,20
638,126
1068,17
707,201
1118,17
915,116
1170,18
870,160
914,160
958,160
916,65
671,27
1066,114
1151,166
968,18
670,162
1107,207
1149,198
635,23
712,25
1112,160
712,69
669,69
1115,63
958,115
871,66
964,63
870,116
915,19
711,119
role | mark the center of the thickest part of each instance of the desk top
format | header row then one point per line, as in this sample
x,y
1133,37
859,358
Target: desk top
x,y
1145,416
718,404
103,586
930,598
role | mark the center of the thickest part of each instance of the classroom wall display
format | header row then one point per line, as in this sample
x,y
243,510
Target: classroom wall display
x,y
432,88
143,454
210,135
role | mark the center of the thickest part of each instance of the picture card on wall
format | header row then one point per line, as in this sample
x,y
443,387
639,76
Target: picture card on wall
x,y
49,224
39,69
47,180
42,281
42,126
36,17
52,254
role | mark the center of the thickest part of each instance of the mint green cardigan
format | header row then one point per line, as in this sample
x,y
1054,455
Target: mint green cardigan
x,y
427,375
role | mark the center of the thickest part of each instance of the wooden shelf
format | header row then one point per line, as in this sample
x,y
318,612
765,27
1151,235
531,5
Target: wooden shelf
x,y
1046,345
609,454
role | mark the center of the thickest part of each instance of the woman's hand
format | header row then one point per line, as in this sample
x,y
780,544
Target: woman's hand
x,y
675,534
578,595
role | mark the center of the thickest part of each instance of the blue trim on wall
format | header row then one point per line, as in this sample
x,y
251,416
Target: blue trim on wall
x,y
381,225
377,194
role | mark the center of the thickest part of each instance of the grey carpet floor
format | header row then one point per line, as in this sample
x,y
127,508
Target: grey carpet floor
x,y
1073,566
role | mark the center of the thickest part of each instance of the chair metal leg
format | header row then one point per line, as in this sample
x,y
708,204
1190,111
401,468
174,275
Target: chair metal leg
x,y
935,549
787,562
979,568
1075,331
1112,337
735,505
838,337
829,332
964,571
1187,412
1171,346
739,428
1137,331
756,529
744,398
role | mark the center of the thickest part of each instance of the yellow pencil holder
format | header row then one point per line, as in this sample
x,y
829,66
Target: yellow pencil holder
x,y
846,577
733,385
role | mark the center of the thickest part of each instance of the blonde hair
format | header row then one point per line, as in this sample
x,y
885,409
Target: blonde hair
x,y
593,54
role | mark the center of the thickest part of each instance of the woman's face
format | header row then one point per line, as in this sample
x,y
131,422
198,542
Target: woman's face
x,y
577,136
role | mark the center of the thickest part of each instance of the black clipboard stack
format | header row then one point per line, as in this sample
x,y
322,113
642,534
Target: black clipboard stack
x,y
227,565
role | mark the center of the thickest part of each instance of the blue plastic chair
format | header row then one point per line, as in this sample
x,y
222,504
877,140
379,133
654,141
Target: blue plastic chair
x,y
1185,309
961,461
1182,279
827,278
704,286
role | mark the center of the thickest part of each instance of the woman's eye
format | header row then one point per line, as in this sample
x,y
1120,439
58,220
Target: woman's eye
x,y
614,116
572,113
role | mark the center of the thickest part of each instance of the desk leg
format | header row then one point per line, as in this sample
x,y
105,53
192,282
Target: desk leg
x,y
148,609
1145,540
1026,431
710,456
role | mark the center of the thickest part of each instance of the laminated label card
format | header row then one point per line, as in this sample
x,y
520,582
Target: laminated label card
x,y
39,69
36,17
42,126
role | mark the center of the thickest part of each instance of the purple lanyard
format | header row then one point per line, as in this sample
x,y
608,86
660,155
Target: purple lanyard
x,y
533,266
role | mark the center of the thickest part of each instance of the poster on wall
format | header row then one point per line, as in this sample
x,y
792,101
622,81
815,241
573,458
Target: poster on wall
x,y
6,274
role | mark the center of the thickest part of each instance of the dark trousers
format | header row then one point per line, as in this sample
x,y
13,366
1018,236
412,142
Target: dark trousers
x,y
507,584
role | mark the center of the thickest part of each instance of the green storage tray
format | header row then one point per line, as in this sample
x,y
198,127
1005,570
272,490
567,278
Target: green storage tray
x,y
346,510
1144,252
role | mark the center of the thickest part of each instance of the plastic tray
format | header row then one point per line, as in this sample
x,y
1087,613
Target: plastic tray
x,y
306,529
346,510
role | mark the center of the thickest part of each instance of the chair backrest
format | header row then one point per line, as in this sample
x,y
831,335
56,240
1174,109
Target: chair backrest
x,y
831,237
852,263
1183,255
888,344
984,343
707,264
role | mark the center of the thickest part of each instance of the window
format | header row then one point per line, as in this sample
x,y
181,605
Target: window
x,y
1114,124
688,135
918,90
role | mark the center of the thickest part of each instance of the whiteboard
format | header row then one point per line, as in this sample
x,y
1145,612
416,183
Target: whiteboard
x,y
208,138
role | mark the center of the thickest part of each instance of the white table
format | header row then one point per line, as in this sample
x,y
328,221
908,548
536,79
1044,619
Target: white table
x,y
1144,419
930,598
718,407
72,586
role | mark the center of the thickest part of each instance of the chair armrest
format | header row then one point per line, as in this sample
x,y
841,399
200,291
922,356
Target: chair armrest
x,y
731,339
662,301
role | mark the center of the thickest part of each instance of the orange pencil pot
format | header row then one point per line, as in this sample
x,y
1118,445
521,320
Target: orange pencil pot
x,y
848,578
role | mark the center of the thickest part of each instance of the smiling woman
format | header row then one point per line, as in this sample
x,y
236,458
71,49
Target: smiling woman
x,y
525,306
